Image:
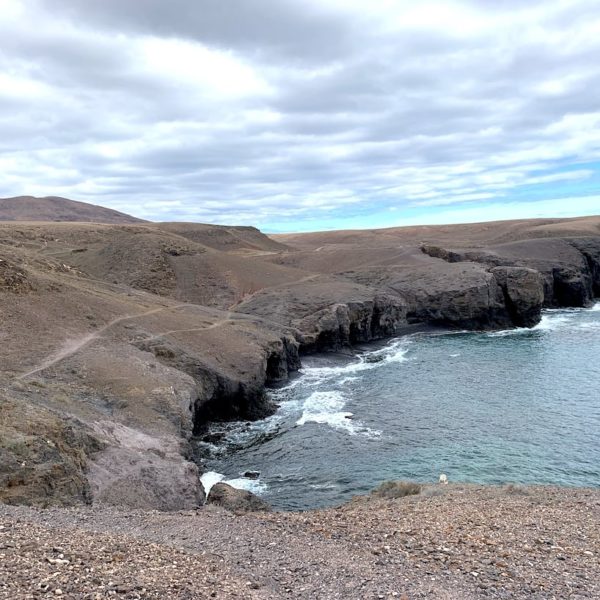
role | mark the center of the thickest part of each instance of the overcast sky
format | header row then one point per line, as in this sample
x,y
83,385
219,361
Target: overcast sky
x,y
304,114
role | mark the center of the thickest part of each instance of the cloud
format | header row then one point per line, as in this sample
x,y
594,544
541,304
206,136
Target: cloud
x,y
295,113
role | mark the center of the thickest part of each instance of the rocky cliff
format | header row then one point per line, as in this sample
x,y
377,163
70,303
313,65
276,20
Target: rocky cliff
x,y
122,342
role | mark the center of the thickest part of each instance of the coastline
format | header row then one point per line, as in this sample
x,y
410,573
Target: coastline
x,y
123,341
329,392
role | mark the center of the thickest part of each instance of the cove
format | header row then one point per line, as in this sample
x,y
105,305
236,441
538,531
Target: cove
x,y
515,406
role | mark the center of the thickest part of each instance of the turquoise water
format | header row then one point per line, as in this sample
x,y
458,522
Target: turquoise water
x,y
519,406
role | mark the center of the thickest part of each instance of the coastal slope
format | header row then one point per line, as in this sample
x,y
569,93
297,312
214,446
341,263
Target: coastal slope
x,y
121,342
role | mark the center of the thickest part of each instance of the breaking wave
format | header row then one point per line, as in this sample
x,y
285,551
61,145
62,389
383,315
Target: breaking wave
x,y
326,408
210,478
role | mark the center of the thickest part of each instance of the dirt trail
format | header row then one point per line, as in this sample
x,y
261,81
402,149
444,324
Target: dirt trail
x,y
274,287
219,323
74,346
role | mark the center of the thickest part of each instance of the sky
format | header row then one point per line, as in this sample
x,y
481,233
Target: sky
x,y
303,115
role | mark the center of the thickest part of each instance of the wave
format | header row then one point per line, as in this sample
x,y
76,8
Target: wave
x,y
588,326
210,478
326,408
392,353
552,319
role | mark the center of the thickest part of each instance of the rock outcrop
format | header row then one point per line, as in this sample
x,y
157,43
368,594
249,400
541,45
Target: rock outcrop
x,y
234,500
343,324
569,268
223,396
523,291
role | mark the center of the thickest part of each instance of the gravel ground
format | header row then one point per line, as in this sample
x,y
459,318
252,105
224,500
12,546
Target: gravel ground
x,y
449,542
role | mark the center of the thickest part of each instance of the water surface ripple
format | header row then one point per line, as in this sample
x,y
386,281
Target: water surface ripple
x,y
517,406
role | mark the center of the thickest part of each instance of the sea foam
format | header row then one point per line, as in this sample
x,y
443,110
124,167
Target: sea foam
x,y
211,478
326,408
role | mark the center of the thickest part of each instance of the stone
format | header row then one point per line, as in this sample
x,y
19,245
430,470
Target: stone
x,y
234,500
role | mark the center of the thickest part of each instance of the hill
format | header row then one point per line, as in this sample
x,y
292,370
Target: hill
x,y
54,208
120,342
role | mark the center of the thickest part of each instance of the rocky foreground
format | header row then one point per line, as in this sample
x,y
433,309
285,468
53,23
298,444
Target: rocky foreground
x,y
448,542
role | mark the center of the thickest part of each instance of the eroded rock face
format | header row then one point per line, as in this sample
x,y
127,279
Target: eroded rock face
x,y
569,268
523,291
461,295
238,501
141,471
341,325
226,396
590,249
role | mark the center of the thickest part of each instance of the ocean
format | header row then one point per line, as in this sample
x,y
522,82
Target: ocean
x,y
519,406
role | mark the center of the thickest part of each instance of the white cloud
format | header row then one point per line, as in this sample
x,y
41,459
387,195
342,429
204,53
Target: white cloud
x,y
497,211
219,111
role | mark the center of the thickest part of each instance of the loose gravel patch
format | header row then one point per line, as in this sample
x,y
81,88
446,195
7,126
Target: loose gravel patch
x,y
449,542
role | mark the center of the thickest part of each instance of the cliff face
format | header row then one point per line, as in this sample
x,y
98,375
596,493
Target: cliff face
x,y
342,325
568,267
120,343
224,396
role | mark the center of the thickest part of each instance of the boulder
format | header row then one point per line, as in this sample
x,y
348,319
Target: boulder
x,y
230,498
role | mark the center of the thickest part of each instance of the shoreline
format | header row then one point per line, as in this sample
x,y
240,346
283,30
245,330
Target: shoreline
x,y
123,341
238,437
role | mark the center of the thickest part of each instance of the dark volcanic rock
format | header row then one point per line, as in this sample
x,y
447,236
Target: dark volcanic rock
x,y
569,268
523,293
572,287
223,396
342,324
590,249
230,498
461,295
330,313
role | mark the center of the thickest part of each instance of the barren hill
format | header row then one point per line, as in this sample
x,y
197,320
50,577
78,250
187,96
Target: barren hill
x,y
120,342
53,208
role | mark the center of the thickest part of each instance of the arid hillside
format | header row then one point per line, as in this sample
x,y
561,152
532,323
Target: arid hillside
x,y
52,208
120,342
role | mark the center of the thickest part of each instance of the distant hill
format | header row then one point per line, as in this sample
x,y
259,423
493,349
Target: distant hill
x,y
53,208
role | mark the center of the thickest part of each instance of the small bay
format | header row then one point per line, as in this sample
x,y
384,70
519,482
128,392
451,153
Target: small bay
x,y
518,406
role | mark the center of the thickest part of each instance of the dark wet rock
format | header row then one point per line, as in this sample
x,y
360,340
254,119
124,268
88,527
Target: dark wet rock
x,y
213,437
572,287
590,250
234,500
523,291
251,474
